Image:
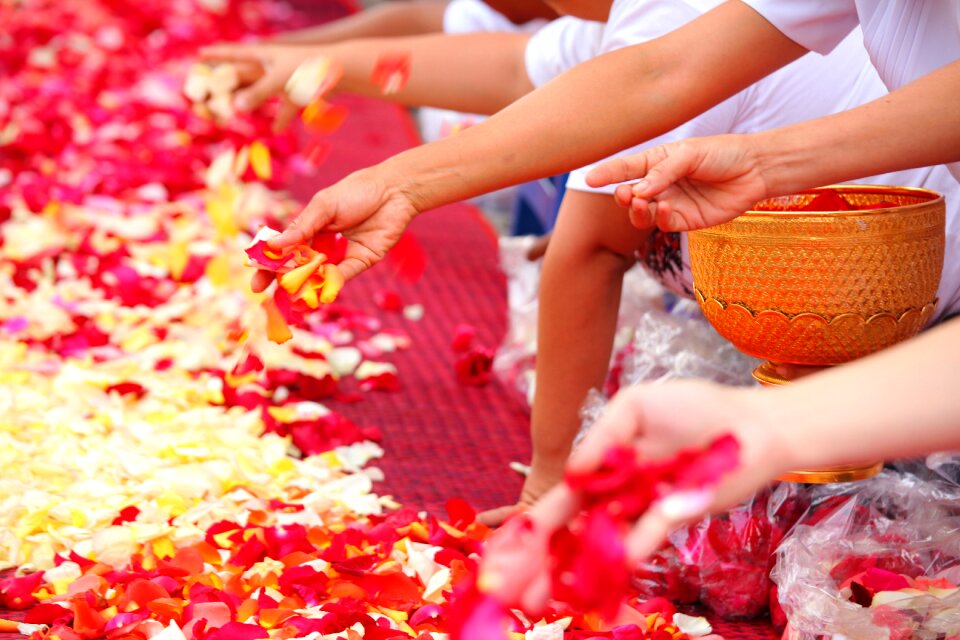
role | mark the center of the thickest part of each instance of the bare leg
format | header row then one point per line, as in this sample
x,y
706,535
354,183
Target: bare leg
x,y
589,251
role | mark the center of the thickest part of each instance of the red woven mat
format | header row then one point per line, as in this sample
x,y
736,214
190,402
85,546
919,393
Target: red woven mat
x,y
442,439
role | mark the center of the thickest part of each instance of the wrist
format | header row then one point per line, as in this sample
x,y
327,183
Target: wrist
x,y
776,162
764,435
425,187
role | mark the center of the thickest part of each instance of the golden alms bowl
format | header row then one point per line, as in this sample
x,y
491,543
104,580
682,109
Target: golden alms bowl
x,y
822,287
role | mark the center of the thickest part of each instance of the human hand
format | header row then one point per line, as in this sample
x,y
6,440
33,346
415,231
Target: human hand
x,y
662,420
659,421
266,70
686,185
364,208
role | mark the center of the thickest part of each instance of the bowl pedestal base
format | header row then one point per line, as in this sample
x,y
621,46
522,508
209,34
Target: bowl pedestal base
x,y
768,375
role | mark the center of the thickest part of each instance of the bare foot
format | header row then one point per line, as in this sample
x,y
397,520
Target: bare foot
x,y
536,484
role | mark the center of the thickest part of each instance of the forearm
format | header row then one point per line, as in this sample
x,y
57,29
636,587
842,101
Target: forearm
x,y
604,105
917,125
580,290
899,403
474,73
390,19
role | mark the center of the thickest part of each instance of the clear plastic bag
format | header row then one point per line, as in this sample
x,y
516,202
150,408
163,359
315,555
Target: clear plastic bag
x,y
516,358
723,562
680,343
894,525
667,344
946,465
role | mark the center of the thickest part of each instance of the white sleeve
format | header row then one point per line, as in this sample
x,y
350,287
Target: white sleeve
x,y
561,45
633,22
475,16
817,25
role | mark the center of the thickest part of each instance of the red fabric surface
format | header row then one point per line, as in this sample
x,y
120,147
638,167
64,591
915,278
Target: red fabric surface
x,y
442,439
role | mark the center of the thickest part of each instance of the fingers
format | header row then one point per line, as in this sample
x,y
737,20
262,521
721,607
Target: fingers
x,y
261,280
496,517
667,219
623,195
288,111
666,515
557,507
620,169
352,266
313,219
537,594
646,536
643,213
619,425
673,163
260,91
232,53
248,72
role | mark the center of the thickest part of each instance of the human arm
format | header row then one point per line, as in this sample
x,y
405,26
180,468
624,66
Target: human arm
x,y
874,408
591,248
898,403
388,19
587,113
706,181
475,73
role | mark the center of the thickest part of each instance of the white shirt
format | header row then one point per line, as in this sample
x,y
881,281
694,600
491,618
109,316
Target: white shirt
x,y
460,17
475,16
811,87
905,39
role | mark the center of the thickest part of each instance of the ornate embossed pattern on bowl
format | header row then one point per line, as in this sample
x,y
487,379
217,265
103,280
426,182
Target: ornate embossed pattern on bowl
x,y
822,288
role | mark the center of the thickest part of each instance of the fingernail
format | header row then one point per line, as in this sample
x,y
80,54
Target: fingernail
x,y
240,103
685,504
641,186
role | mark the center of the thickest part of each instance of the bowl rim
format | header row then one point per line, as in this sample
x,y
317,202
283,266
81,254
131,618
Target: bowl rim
x,y
935,199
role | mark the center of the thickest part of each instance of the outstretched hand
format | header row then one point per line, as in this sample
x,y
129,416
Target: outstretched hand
x,y
647,418
650,419
369,214
264,71
688,185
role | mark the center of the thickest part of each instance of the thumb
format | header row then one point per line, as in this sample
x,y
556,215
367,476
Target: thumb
x,y
674,163
664,516
259,92
620,170
287,113
358,259
314,218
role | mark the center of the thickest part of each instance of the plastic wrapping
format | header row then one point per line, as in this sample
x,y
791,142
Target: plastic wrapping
x,y
516,358
667,344
878,531
682,344
723,562
946,465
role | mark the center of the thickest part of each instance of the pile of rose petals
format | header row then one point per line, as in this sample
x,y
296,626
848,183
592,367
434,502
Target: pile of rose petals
x,y
137,373
170,471
582,565
307,276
